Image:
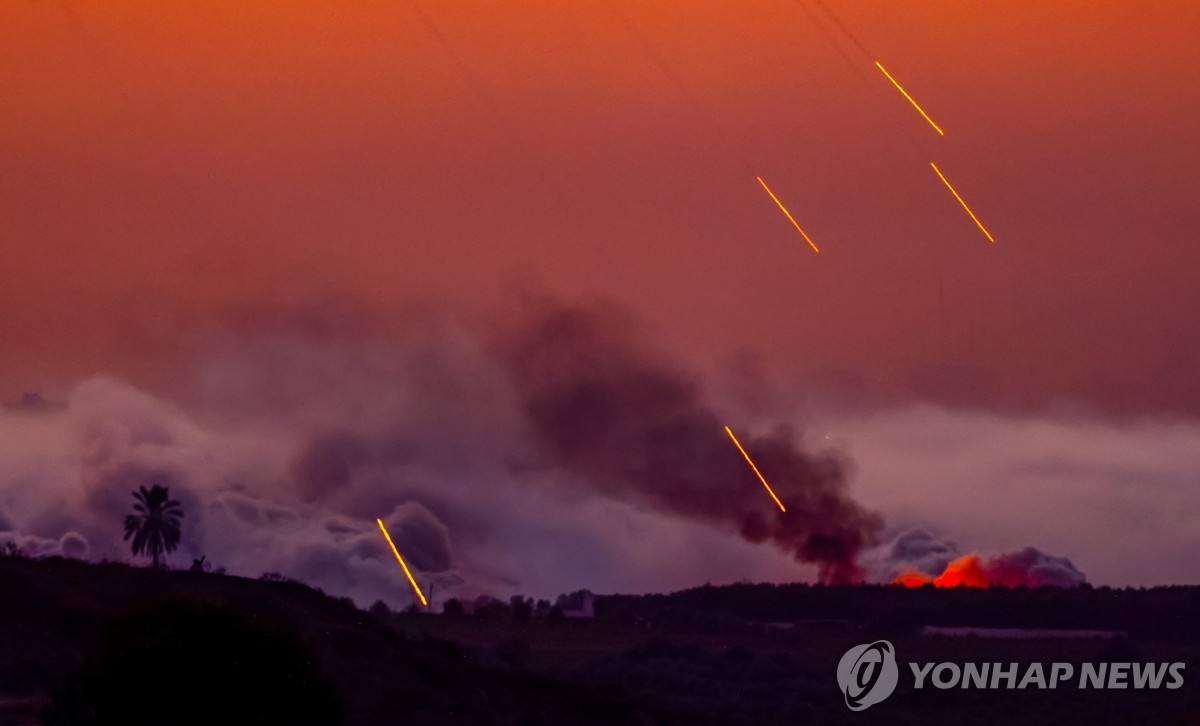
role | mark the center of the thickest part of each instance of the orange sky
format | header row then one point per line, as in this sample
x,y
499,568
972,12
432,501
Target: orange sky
x,y
162,164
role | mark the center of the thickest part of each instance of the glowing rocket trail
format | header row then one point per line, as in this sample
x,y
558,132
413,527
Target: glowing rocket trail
x,y
400,559
964,204
910,98
755,468
794,223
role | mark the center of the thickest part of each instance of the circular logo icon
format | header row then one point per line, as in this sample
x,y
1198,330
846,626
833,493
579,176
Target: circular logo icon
x,y
867,674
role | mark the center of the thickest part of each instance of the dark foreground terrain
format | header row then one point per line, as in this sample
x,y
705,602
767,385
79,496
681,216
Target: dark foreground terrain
x,y
107,643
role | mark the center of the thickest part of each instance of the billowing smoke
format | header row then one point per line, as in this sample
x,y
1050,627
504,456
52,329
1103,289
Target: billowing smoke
x,y
917,558
541,456
544,455
608,410
913,550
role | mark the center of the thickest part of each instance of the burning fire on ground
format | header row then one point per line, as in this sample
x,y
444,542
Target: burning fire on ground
x,y
1028,568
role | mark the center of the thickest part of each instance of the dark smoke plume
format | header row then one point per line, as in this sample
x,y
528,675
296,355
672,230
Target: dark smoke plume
x,y
604,407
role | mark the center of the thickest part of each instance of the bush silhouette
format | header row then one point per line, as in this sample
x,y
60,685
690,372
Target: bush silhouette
x,y
182,663
452,608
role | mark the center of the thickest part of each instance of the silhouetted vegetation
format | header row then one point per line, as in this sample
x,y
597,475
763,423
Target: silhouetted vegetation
x,y
1161,612
520,609
155,528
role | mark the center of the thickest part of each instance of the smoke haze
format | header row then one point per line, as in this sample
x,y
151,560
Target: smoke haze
x,y
550,448
500,462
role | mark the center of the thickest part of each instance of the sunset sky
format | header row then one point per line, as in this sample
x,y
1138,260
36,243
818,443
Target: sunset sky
x,y
178,173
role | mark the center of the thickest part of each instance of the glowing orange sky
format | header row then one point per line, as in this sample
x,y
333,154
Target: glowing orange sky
x,y
161,163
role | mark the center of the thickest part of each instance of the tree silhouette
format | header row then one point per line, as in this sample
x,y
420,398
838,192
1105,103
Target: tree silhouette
x,y
155,527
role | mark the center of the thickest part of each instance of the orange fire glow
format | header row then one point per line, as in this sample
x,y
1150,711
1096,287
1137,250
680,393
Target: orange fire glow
x,y
789,216
416,588
755,468
910,98
964,204
966,571
913,579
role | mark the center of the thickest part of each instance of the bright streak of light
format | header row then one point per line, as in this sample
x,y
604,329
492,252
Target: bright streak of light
x,y
910,98
416,588
789,216
964,204
755,468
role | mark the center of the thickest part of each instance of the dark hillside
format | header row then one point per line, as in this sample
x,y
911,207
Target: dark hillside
x,y
1162,613
81,630
108,643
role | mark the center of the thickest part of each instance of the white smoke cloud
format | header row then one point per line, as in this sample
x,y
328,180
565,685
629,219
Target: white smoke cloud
x,y
913,550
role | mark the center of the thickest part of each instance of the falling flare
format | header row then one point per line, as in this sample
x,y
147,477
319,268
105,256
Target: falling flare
x,y
794,223
964,204
910,98
752,466
400,559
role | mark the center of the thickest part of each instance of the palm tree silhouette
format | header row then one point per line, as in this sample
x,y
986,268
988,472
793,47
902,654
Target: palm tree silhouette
x,y
155,527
